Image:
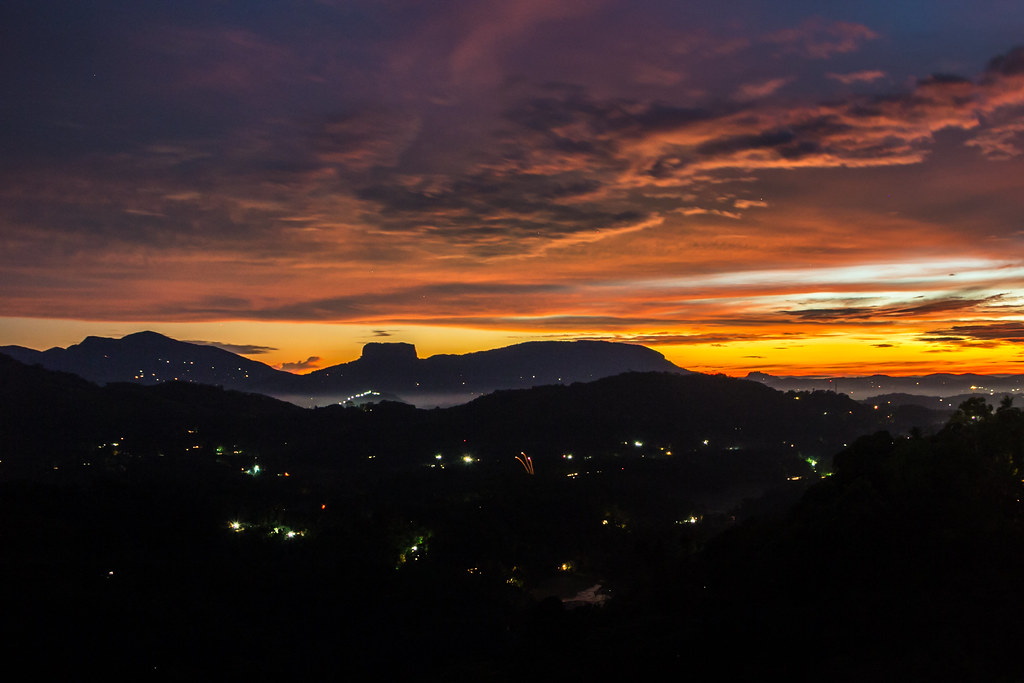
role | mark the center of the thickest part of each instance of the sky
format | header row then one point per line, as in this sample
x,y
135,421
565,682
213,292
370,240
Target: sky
x,y
789,187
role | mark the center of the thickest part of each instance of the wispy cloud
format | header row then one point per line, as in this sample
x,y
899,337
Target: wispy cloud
x,y
866,76
821,39
240,349
1012,331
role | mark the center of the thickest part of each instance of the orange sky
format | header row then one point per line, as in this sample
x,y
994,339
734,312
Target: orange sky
x,y
833,192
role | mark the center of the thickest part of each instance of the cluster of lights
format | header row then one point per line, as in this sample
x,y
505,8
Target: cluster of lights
x,y
355,397
288,533
413,552
283,531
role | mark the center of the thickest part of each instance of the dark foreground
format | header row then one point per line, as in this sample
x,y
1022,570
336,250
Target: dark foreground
x,y
904,564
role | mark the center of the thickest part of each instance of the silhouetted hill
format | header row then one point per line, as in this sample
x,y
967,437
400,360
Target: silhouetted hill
x,y
904,565
684,413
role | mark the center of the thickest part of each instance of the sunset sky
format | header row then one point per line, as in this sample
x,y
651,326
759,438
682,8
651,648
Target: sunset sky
x,y
794,187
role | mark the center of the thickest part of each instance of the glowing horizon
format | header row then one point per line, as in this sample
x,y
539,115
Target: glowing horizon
x,y
816,355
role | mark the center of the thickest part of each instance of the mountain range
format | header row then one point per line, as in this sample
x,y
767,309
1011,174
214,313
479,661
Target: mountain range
x,y
59,420
385,370
394,371
952,389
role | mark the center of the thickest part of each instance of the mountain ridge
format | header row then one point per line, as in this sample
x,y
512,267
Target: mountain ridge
x,y
937,384
393,368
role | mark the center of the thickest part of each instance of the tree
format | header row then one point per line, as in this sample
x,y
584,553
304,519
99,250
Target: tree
x,y
974,409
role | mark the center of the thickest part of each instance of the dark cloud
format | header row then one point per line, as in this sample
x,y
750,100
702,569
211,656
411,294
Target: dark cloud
x,y
240,349
514,207
442,300
820,39
1009,64
866,76
783,141
359,141
381,333
984,332
674,338
867,313
310,363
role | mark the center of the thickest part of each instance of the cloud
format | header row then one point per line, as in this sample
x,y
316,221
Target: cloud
x,y
493,28
240,349
381,333
1012,332
310,363
1000,141
718,339
620,145
907,310
563,167
820,39
755,91
495,211
358,141
440,301
747,203
866,76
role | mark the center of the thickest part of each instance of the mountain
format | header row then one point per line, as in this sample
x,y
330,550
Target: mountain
x,y
151,358
54,419
938,384
135,515
391,369
451,379
693,413
67,421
